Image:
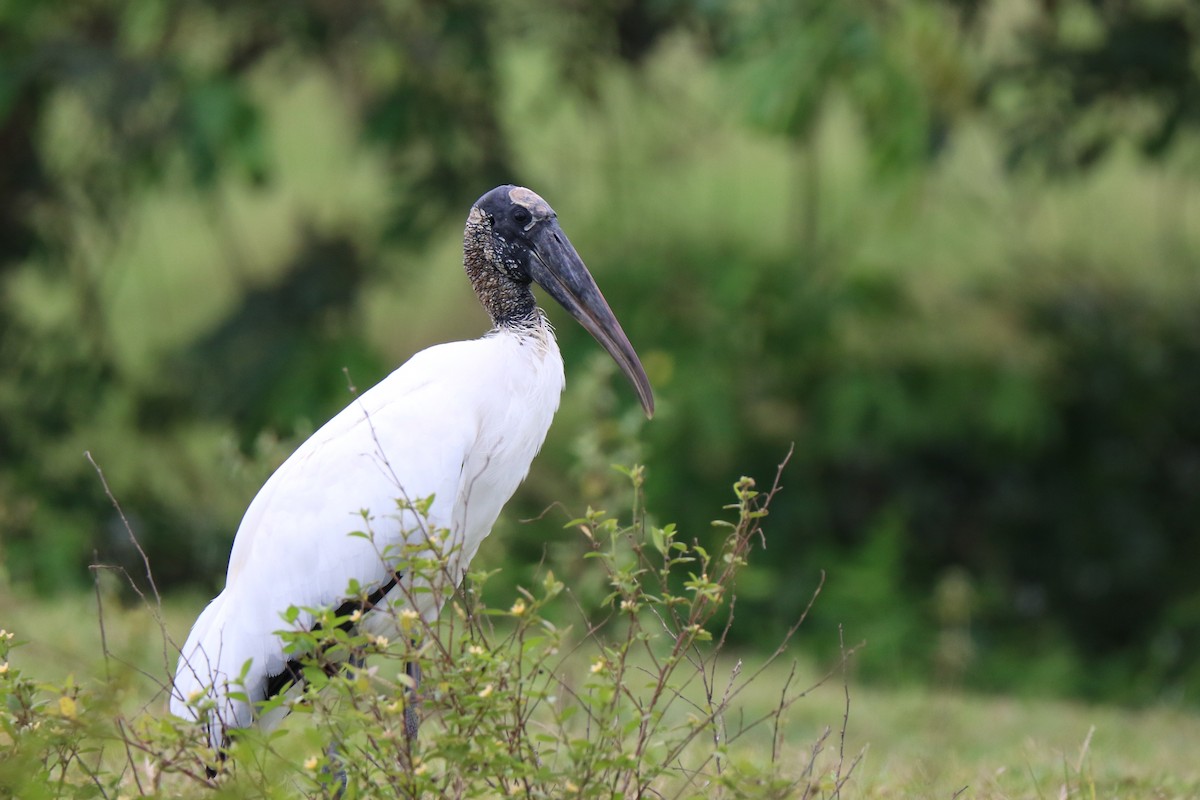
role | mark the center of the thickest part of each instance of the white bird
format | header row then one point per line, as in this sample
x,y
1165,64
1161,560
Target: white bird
x,y
458,423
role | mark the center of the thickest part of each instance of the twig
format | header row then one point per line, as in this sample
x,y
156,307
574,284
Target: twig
x,y
137,779
556,504
156,607
817,746
777,734
845,716
100,616
1083,751
125,522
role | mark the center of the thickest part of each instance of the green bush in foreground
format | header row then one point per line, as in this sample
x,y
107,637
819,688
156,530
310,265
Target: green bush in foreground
x,y
635,703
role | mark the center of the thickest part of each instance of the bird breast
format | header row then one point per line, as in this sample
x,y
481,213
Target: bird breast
x,y
517,409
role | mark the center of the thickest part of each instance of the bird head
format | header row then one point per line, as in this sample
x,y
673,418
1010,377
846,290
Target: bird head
x,y
520,238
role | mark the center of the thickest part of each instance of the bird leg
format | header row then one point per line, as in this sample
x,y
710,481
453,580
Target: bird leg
x,y
336,764
412,720
337,767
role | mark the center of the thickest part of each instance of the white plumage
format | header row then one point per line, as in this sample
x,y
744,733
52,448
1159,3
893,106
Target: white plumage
x,y
293,546
458,422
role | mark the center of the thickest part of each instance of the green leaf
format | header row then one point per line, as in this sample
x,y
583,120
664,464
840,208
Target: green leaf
x,y
658,540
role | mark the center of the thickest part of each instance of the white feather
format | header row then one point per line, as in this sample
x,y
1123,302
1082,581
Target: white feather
x,y
460,422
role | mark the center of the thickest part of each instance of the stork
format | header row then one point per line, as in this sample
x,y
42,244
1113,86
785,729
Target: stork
x,y
457,425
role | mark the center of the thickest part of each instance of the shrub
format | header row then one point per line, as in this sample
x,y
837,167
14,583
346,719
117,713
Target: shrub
x,y
637,702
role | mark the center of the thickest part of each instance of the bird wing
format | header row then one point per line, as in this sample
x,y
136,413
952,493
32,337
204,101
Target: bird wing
x,y
407,438
404,440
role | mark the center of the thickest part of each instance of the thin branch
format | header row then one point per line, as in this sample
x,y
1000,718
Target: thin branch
x,y
125,522
100,617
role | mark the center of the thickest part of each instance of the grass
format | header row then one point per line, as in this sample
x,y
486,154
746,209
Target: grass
x,y
915,742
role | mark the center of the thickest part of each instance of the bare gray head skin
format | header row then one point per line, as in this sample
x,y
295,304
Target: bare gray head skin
x,y
513,239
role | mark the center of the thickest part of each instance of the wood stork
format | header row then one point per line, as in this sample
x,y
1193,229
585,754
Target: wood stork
x,y
458,423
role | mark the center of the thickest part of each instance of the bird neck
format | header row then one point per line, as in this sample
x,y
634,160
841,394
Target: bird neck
x,y
508,302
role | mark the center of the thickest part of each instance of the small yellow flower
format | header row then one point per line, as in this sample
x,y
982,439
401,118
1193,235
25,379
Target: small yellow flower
x,y
408,615
486,691
6,635
628,605
4,668
356,615
518,608
310,763
570,786
420,769
381,642
598,666
475,650
67,707
194,695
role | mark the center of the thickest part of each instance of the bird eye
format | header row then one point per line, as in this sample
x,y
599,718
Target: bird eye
x,y
521,216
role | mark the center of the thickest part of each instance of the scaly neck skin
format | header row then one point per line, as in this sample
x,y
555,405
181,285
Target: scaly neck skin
x,y
509,303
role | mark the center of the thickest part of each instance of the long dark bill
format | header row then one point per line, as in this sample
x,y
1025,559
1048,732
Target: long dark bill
x,y
559,270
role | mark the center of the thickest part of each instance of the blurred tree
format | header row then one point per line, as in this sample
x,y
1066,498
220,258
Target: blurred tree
x,y
164,93
268,364
162,87
1093,72
966,398
901,67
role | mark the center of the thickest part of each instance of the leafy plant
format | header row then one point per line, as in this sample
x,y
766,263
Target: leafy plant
x,y
638,702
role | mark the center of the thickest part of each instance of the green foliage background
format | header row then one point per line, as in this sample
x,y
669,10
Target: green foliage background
x,y
950,249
